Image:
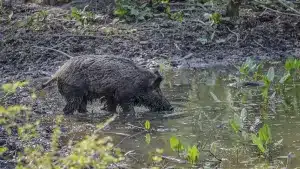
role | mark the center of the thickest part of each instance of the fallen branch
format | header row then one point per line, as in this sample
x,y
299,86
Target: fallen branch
x,y
291,14
291,8
180,161
236,34
61,52
130,137
120,134
129,152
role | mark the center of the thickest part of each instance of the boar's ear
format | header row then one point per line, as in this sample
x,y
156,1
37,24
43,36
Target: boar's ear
x,y
157,80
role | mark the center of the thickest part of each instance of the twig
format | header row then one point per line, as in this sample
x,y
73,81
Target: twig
x,y
236,34
291,8
260,45
291,14
180,161
61,52
212,154
135,126
129,152
120,134
130,137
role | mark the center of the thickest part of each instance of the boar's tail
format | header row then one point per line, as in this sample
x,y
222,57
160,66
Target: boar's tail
x,y
56,75
48,82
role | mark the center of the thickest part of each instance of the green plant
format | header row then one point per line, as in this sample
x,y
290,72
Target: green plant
x,y
37,21
215,18
249,66
263,139
134,10
83,17
176,144
131,10
147,125
267,79
92,151
193,154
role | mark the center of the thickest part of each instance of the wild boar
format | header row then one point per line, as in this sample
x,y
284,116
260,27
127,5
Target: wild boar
x,y
116,80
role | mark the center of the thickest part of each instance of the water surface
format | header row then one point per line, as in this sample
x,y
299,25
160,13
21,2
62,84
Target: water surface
x,y
207,104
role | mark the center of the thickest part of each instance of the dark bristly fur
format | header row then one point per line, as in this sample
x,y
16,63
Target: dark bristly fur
x,y
116,80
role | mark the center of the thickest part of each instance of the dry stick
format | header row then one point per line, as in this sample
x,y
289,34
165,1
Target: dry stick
x,y
129,152
130,137
180,161
61,52
236,34
291,14
120,134
291,8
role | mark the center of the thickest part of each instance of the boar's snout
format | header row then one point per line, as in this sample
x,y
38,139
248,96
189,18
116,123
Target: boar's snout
x,y
162,104
163,108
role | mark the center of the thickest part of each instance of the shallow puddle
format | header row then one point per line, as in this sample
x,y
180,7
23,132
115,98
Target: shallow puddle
x,y
206,104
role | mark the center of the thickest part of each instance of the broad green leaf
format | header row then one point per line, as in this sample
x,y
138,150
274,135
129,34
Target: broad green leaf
x,y
193,154
175,144
258,143
271,74
148,138
234,126
285,78
265,134
243,117
147,125
288,64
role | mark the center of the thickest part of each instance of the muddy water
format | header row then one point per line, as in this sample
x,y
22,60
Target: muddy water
x,y
207,104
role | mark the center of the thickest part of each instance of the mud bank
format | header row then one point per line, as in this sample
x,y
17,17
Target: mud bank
x,y
191,44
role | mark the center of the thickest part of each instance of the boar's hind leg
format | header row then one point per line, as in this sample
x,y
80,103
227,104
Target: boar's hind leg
x,y
82,106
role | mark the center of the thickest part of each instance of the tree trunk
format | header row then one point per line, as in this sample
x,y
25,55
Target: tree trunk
x,y
233,8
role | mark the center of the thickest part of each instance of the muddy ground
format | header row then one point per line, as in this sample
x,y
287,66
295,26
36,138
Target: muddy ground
x,y
24,45
263,35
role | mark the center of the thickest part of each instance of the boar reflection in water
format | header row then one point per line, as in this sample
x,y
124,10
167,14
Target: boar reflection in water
x,y
116,80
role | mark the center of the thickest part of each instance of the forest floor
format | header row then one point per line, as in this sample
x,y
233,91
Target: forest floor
x,y
193,43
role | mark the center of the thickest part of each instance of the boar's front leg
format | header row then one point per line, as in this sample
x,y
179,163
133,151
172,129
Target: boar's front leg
x,y
73,103
111,105
82,106
127,109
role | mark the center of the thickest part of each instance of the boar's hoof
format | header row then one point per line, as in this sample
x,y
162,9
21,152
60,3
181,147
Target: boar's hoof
x,y
82,111
68,112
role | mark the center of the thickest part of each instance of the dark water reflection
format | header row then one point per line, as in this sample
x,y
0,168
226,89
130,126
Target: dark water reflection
x,y
206,118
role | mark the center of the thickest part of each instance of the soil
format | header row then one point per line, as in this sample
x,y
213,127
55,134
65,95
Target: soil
x,y
264,35
191,44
